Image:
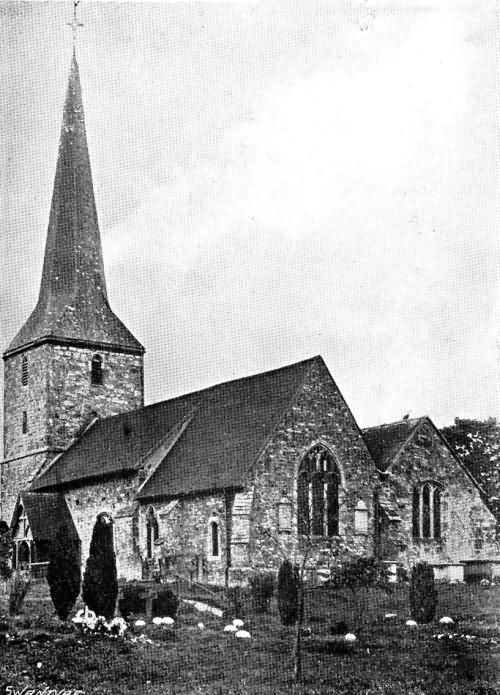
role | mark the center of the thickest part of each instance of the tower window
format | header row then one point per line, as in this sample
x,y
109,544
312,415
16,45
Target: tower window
x,y
25,422
24,371
96,370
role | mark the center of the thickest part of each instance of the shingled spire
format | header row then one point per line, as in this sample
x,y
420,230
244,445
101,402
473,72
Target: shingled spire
x,y
72,304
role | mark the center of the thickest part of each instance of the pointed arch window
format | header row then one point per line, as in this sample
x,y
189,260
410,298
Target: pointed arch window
x,y
152,532
96,370
24,371
318,494
426,512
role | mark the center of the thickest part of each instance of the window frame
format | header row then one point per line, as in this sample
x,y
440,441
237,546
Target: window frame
x,y
318,486
427,507
96,371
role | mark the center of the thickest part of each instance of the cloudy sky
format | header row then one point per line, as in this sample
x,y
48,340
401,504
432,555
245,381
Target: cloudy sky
x,y
275,180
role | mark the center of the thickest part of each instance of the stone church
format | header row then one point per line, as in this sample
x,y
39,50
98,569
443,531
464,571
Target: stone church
x,y
216,483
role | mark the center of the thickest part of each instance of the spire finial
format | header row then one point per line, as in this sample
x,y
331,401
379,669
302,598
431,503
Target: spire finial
x,y
74,24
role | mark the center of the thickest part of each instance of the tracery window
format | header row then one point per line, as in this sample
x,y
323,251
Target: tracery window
x,y
318,494
427,510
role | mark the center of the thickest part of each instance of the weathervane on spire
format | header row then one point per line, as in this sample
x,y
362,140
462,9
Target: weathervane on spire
x,y
74,24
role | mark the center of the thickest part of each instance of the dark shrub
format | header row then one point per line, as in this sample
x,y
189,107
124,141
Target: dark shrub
x,y
288,593
236,599
402,574
131,601
262,588
20,583
63,573
358,573
100,586
165,604
423,594
5,551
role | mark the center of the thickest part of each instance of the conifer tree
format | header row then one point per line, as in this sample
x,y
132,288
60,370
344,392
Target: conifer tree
x,y
63,574
288,593
423,594
100,586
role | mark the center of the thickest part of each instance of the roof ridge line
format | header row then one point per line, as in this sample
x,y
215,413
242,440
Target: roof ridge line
x,y
176,436
395,422
403,445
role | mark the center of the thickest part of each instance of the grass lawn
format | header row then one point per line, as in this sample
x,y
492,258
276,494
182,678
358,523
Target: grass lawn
x,y
387,659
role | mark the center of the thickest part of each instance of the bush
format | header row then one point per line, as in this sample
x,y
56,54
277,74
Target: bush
x,y
288,592
262,588
235,602
20,584
131,601
100,586
63,573
5,551
423,594
359,573
165,604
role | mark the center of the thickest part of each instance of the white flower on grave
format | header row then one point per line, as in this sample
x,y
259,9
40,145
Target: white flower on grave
x,y
238,623
139,624
157,621
39,664
242,634
390,616
230,628
411,623
118,626
350,637
167,621
201,626
446,620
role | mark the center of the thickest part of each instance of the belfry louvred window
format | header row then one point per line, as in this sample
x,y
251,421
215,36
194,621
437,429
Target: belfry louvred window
x,y
24,371
427,500
318,494
96,370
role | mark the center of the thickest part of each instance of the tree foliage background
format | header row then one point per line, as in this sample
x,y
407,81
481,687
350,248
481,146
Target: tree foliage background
x,y
477,444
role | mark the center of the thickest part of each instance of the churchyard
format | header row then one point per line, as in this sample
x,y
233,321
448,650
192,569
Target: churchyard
x,y
196,655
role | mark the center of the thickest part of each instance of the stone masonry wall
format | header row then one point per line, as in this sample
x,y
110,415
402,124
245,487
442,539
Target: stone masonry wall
x,y
318,414
72,397
115,496
467,526
31,398
58,399
16,475
184,528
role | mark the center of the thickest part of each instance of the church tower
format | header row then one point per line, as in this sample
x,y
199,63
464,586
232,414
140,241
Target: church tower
x,y
73,359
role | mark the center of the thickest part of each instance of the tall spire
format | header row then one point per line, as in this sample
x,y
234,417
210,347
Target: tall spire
x,y
72,303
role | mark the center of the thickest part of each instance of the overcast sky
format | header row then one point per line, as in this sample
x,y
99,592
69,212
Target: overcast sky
x,y
275,180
